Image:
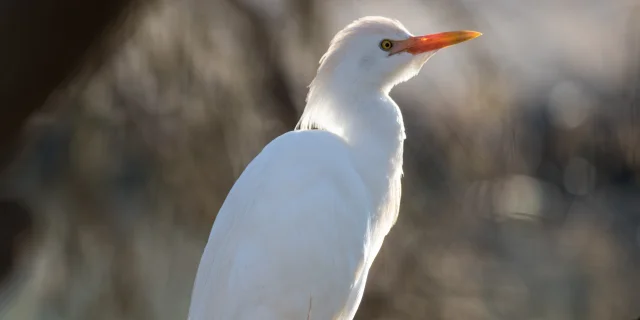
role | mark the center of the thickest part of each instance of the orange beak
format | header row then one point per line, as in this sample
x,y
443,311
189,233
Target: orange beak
x,y
431,42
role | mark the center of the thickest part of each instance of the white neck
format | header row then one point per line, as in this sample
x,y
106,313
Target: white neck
x,y
367,119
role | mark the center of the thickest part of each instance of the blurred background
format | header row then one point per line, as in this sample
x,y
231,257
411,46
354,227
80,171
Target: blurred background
x,y
125,124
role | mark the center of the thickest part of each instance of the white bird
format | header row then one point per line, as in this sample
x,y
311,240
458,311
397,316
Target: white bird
x,y
300,228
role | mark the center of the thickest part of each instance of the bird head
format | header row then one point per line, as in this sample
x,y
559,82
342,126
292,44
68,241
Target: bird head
x,y
378,53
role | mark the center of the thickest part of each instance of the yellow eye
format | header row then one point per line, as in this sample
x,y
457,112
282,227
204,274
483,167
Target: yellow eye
x,y
386,45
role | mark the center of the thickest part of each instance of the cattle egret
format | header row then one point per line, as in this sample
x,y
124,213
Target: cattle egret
x,y
299,230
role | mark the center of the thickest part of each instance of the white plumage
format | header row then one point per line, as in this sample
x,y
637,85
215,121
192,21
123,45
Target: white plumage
x,y
300,228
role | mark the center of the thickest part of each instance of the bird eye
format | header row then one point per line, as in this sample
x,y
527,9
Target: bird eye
x,y
386,45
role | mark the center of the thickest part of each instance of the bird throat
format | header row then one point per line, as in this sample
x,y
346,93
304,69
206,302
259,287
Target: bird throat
x,y
368,120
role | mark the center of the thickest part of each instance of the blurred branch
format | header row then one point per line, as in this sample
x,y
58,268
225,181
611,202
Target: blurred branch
x,y
284,107
15,227
44,43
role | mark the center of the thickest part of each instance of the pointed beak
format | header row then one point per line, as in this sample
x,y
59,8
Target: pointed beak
x,y
432,42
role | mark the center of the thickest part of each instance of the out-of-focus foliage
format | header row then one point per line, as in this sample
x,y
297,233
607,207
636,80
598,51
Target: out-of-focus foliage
x,y
521,196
